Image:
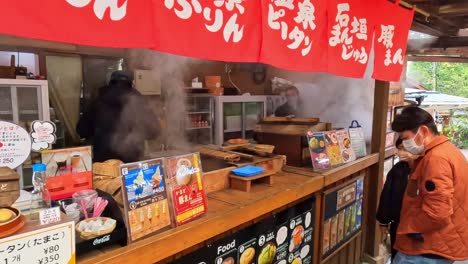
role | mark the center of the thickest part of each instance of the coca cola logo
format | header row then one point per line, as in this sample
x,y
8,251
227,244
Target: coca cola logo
x,y
101,240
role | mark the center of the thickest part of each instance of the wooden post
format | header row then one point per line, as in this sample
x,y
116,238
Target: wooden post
x,y
375,177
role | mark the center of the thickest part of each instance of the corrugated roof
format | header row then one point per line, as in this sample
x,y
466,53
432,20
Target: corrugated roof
x,y
434,99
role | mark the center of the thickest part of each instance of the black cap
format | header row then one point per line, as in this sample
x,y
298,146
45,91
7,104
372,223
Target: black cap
x,y
121,76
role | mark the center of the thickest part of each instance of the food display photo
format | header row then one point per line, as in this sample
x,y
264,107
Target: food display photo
x,y
318,151
185,181
145,198
333,148
346,149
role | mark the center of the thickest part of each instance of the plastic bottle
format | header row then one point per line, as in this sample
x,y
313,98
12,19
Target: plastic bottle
x,y
40,196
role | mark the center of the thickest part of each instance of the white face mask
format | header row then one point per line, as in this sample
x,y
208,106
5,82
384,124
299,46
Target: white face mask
x,y
411,146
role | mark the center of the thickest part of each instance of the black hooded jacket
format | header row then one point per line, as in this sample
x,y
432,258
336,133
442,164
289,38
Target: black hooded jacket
x,y
118,122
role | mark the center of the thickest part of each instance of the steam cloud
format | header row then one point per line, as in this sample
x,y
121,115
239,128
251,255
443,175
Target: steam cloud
x,y
171,70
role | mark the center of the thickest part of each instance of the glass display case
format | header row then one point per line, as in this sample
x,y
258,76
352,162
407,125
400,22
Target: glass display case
x,y
199,126
21,102
237,116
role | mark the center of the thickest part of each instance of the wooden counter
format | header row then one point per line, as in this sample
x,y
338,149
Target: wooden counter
x,y
227,210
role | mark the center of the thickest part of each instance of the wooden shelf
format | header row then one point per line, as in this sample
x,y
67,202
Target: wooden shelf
x,y
227,209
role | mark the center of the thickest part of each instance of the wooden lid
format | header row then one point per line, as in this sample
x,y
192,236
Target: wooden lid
x,y
7,174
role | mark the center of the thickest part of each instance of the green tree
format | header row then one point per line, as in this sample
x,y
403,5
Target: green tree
x,y
444,77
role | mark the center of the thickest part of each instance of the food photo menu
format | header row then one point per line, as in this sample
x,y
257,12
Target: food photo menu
x,y
145,199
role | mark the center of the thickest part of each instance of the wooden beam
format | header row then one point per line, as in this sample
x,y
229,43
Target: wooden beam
x,y
438,59
441,42
439,51
453,10
379,128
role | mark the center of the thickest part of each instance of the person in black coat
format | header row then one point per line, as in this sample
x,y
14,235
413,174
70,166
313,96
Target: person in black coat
x,y
292,106
118,122
391,198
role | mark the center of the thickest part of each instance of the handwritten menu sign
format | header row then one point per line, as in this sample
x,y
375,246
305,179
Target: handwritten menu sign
x,y
15,145
42,134
145,198
185,178
54,244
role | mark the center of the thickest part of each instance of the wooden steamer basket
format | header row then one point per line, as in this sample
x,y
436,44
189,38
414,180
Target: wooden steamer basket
x,y
9,186
87,235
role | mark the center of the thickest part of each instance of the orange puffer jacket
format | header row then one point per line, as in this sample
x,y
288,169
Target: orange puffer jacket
x,y
434,216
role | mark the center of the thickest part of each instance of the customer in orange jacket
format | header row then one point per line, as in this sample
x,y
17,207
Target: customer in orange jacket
x,y
434,217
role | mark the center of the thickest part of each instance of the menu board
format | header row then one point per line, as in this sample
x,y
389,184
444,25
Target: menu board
x,y
358,142
283,238
145,198
15,145
347,152
342,215
333,148
187,193
318,150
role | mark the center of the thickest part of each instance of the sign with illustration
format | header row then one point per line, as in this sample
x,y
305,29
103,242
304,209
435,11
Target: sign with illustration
x,y
342,217
283,238
187,193
42,135
15,145
145,198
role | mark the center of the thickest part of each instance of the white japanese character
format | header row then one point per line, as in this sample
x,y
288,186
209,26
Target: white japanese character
x,y
186,11
232,28
230,4
397,57
359,27
305,15
335,39
100,7
218,21
284,3
344,37
344,52
386,36
343,19
308,44
388,57
298,36
361,56
273,16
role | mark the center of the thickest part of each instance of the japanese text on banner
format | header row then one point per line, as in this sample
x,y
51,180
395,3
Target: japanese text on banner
x,y
348,32
298,35
386,39
221,16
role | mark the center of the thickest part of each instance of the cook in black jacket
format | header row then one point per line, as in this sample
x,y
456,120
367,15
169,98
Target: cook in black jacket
x,y
391,198
118,122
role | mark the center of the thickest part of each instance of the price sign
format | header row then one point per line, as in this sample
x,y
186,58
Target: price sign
x,y
15,145
55,244
49,216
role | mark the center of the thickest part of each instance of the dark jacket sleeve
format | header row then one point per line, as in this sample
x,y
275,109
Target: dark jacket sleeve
x,y
384,215
86,124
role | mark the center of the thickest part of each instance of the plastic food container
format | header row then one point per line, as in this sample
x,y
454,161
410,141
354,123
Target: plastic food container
x,y
248,171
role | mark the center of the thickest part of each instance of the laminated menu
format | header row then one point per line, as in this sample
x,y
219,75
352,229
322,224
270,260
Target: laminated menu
x,y
341,223
318,150
358,142
334,231
326,236
346,150
358,214
333,148
185,181
300,239
145,198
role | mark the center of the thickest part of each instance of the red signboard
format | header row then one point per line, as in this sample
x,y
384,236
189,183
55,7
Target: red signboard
x,y
390,41
294,34
109,23
350,32
209,29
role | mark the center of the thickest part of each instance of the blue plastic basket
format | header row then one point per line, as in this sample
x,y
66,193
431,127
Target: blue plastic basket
x,y
248,171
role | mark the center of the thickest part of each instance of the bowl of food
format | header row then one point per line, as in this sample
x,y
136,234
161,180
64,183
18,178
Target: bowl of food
x,y
96,226
11,221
